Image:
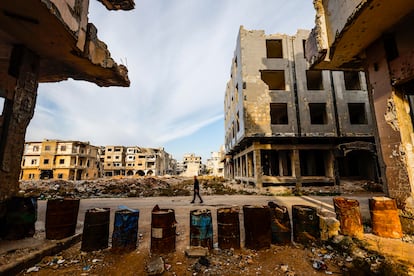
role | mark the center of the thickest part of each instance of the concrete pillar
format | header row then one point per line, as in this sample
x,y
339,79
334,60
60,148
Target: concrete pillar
x,y
257,168
20,100
296,168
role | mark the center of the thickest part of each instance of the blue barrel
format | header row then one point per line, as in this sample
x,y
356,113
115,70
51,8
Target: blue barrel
x,y
201,228
125,234
95,229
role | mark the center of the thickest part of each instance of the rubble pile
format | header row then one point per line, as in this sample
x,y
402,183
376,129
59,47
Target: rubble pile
x,y
124,187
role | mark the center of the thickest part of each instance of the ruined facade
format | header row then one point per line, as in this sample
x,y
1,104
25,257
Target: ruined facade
x,y
134,160
191,165
215,164
55,159
43,41
288,125
375,36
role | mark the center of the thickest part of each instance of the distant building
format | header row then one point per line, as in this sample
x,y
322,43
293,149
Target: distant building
x,y
215,164
55,159
286,124
191,165
134,160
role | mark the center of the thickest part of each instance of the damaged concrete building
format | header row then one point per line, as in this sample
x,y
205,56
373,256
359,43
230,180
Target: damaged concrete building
x,y
288,125
134,160
375,36
55,159
44,41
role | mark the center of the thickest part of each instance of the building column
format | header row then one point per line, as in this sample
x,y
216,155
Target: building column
x,y
20,98
296,168
257,167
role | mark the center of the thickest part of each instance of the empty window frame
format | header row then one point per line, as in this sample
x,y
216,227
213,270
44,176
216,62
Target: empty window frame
x,y
46,161
61,161
352,81
275,79
357,114
274,48
312,162
278,114
62,148
314,80
317,112
47,148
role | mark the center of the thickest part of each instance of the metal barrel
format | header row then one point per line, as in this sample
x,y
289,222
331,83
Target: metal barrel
x,y
305,224
349,216
95,229
20,218
228,227
201,228
125,234
384,216
163,231
61,218
257,227
280,224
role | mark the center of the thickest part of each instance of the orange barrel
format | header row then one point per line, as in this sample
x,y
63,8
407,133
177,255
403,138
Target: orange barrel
x,y
280,224
163,231
305,224
349,216
257,227
228,228
385,219
95,229
125,234
61,218
201,228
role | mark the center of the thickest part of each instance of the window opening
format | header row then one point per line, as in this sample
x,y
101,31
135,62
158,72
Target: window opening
x,y
318,113
352,81
278,114
314,80
275,79
274,48
357,114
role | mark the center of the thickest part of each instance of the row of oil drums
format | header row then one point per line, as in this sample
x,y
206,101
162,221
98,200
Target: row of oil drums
x,y
61,220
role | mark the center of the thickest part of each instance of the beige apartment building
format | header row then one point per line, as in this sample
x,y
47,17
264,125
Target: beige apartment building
x,y
286,124
215,164
134,160
191,165
377,37
55,159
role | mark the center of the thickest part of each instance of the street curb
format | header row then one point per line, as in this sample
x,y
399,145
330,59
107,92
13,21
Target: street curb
x,y
322,205
33,258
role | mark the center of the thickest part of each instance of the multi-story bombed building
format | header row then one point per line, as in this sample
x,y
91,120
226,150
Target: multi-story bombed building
x,y
288,125
134,160
215,165
55,159
376,36
191,165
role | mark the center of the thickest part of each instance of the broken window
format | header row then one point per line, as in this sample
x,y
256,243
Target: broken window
x,y
35,148
34,162
352,81
109,149
314,80
274,48
357,114
312,162
275,79
304,47
62,148
46,161
60,175
47,148
278,114
318,113
61,161
276,163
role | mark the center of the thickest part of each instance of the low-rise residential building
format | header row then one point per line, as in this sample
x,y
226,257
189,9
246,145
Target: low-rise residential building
x,y
215,164
191,165
56,159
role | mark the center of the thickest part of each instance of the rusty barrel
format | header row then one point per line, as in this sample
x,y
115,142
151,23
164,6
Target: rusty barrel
x,y
280,224
228,228
257,227
19,219
61,218
95,229
349,216
125,234
163,231
201,228
305,224
384,216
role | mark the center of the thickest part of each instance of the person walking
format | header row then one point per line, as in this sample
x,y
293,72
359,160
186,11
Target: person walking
x,y
196,190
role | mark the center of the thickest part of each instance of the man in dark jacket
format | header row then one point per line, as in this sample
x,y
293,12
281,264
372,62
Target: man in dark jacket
x,y
196,190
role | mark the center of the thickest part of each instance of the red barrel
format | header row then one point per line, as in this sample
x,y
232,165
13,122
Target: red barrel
x,y
385,219
163,231
228,228
61,218
349,216
257,227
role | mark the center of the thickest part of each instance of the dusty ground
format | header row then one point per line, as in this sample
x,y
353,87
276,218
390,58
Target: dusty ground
x,y
342,257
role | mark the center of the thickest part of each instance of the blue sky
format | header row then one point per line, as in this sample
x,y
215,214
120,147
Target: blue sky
x,y
178,53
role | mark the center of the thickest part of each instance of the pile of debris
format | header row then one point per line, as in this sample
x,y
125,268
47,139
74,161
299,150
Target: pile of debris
x,y
123,187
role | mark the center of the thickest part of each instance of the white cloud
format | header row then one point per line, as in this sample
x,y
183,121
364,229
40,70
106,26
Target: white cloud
x,y
178,53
